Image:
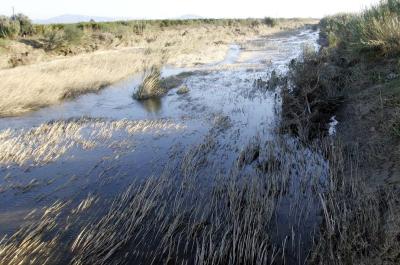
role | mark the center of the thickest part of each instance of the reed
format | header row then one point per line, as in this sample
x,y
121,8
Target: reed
x,y
50,141
151,84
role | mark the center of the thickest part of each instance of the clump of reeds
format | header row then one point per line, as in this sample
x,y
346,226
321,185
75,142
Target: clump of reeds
x,y
151,84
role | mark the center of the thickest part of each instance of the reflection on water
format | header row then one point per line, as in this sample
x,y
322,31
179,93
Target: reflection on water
x,y
152,105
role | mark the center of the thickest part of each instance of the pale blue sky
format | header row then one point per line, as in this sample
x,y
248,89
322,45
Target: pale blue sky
x,y
38,9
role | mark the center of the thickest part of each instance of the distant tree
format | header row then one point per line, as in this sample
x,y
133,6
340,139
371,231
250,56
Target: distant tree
x,y
92,20
25,24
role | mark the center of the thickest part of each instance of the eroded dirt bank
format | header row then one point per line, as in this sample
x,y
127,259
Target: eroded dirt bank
x,y
361,206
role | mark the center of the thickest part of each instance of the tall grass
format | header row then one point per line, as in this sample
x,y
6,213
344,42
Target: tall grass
x,y
184,217
375,30
361,224
258,218
151,84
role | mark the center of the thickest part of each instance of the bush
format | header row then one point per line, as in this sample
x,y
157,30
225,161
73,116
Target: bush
x,y
8,27
269,21
311,96
53,39
26,27
72,34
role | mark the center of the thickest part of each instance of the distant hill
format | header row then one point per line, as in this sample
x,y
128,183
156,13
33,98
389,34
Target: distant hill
x,y
65,19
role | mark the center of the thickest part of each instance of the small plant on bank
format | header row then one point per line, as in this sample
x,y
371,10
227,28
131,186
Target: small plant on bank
x,y
151,84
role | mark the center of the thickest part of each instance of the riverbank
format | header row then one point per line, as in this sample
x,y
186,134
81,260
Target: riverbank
x,y
52,79
359,87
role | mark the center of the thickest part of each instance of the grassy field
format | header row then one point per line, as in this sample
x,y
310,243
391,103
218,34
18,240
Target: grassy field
x,y
86,57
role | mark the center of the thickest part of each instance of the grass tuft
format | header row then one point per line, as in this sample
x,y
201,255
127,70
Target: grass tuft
x,y
151,84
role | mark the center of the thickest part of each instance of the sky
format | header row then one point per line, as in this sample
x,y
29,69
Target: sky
x,y
42,9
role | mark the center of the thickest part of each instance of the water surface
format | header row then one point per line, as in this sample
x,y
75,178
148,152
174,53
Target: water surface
x,y
222,113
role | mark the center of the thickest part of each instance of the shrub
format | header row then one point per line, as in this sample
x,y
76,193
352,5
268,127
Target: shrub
x,y
26,27
40,29
53,39
8,27
269,21
311,95
72,34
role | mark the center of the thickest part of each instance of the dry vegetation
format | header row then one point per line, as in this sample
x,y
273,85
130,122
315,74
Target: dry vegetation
x,y
228,219
183,219
29,87
150,86
355,76
50,141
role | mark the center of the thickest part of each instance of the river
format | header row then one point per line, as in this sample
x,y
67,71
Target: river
x,y
99,144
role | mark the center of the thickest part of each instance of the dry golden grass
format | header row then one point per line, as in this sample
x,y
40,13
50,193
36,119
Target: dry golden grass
x,y
26,88
49,141
28,245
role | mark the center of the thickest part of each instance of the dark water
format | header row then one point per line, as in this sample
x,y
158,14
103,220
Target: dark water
x,y
223,108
